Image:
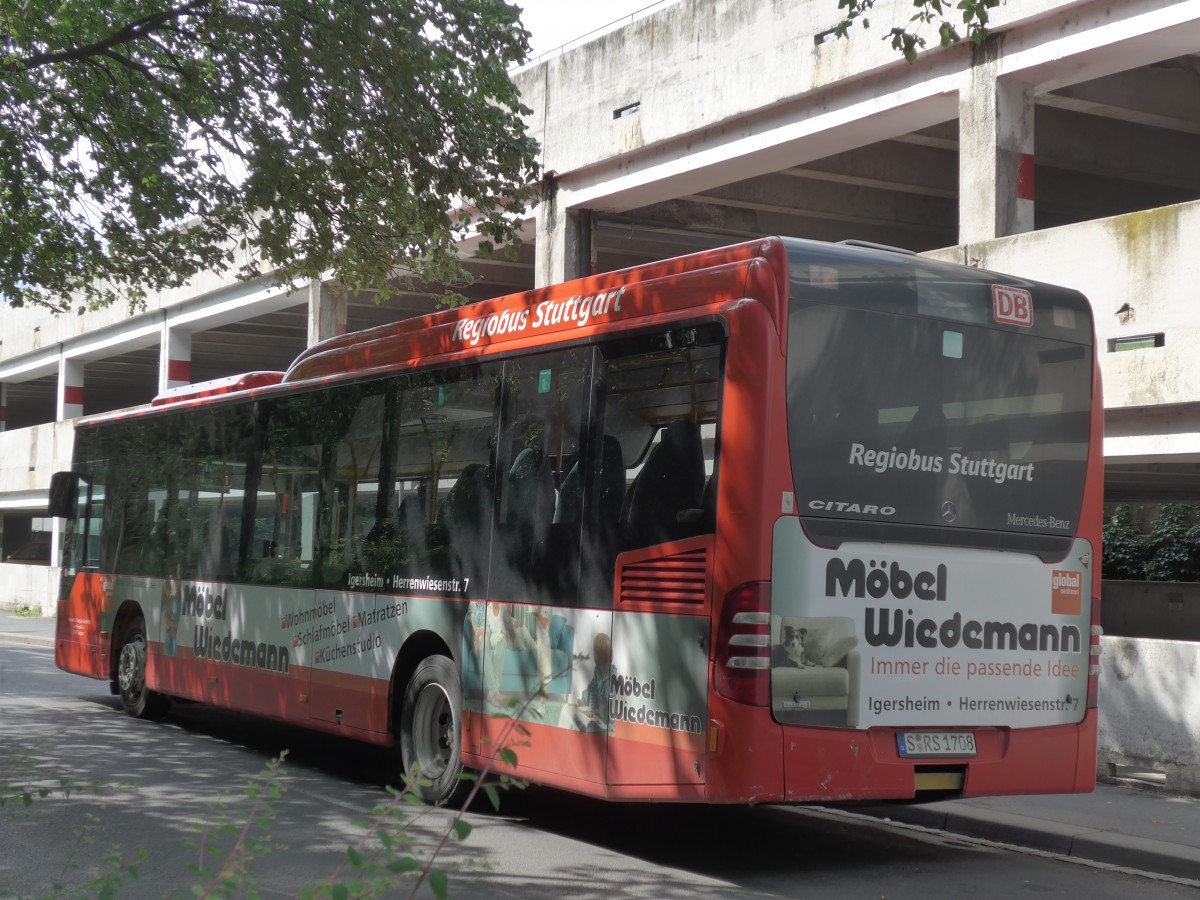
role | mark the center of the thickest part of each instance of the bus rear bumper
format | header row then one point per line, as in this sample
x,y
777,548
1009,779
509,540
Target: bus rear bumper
x,y
828,765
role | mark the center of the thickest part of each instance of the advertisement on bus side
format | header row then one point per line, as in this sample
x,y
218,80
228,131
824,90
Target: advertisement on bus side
x,y
902,635
632,676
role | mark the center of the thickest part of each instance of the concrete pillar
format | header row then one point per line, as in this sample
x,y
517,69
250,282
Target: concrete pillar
x,y
174,358
3,406
327,311
70,388
564,246
995,156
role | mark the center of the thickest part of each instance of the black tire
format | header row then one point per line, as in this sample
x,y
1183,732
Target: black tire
x,y
137,699
431,732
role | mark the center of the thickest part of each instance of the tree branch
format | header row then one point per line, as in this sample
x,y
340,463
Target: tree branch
x,y
132,32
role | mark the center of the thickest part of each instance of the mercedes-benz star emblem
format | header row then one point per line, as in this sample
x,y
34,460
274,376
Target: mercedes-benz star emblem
x,y
949,512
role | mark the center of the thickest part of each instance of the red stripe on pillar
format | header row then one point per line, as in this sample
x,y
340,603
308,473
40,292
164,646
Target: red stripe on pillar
x,y
73,394
1025,176
179,370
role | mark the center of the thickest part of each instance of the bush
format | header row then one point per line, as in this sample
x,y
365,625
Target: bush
x,y
1125,547
1175,545
1170,552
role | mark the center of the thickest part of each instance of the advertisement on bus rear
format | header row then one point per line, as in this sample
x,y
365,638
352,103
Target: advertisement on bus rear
x,y
875,634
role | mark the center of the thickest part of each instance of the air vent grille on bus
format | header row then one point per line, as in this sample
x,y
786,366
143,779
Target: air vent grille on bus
x,y
679,578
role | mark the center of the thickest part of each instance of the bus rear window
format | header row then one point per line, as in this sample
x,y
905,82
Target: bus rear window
x,y
932,422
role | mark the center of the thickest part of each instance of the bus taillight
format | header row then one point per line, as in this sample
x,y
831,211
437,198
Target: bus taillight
x,y
741,669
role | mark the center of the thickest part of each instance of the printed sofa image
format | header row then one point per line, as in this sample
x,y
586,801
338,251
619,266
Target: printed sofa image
x,y
516,654
815,670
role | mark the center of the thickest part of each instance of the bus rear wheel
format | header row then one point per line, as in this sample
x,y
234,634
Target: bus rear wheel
x,y
431,732
137,699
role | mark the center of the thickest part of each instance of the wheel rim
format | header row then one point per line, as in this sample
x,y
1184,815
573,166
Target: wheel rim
x,y
131,668
433,730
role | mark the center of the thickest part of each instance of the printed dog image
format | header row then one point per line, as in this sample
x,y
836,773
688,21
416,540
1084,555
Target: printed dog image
x,y
790,653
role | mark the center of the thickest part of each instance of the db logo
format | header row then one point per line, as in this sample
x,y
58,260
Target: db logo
x,y
1012,306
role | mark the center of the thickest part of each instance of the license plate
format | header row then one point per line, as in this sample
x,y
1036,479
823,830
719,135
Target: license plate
x,y
924,744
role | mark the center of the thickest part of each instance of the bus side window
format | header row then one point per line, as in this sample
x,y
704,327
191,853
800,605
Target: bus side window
x,y
666,496
444,463
662,399
362,534
541,457
292,512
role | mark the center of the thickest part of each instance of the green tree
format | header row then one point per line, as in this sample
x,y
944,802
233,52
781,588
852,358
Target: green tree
x,y
937,13
143,141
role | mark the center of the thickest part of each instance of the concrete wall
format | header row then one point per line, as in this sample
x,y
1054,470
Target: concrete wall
x,y
1150,708
34,587
28,457
697,65
1165,610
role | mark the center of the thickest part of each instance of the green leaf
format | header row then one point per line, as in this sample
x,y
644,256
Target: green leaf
x,y
493,795
426,120
440,884
462,828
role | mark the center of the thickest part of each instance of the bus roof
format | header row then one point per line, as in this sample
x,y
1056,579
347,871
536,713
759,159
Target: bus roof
x,y
216,387
581,307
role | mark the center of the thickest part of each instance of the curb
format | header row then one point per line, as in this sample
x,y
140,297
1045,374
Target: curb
x,y
28,640
1092,844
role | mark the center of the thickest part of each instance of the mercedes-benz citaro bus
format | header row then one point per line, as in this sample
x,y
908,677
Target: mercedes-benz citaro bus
x,y
782,521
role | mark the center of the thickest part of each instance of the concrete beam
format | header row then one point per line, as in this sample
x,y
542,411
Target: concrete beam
x,y
827,200
903,167
778,139
943,136
245,301
1164,95
727,223
1087,41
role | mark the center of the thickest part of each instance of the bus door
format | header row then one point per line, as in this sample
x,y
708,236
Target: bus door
x,y
355,531
535,640
85,596
661,411
302,514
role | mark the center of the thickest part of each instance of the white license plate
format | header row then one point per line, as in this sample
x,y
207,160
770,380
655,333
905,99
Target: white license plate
x,y
924,744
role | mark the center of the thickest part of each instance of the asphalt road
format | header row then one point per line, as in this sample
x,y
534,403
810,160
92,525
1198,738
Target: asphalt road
x,y
155,786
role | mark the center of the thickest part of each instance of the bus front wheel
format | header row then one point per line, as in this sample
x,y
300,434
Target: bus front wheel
x,y
431,732
137,699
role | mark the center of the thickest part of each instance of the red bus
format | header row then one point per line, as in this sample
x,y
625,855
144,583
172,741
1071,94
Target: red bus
x,y
783,521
